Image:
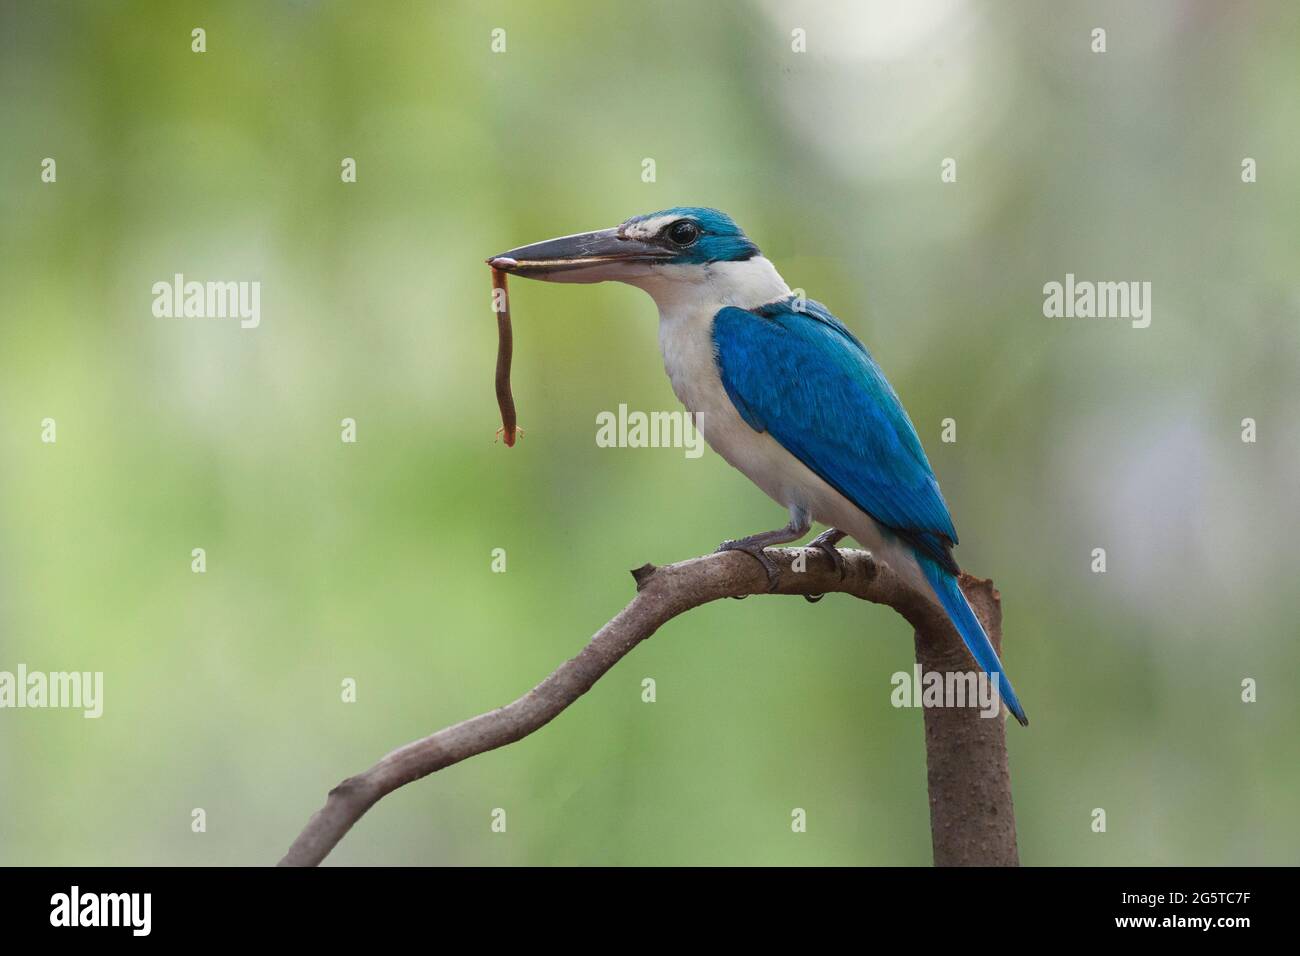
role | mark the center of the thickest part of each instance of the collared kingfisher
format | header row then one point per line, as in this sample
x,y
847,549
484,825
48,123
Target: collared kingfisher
x,y
783,391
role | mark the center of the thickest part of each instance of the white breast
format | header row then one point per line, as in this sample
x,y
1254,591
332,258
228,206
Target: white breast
x,y
686,340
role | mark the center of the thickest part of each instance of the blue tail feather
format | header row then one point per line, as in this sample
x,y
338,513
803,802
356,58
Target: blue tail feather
x,y
972,633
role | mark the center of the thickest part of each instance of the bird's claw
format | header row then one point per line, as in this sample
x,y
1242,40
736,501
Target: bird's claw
x,y
758,554
833,553
825,543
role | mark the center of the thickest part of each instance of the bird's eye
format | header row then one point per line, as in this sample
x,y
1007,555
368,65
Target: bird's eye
x,y
683,232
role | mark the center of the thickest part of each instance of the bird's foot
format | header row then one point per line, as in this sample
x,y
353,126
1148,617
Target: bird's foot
x,y
753,546
755,543
826,541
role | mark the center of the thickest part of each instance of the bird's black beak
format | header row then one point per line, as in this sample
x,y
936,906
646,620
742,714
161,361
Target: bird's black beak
x,y
585,257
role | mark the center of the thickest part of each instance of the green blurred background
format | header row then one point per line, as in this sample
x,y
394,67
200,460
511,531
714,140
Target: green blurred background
x,y
372,560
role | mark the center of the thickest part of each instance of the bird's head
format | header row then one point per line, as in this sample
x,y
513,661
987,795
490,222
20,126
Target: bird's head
x,y
682,240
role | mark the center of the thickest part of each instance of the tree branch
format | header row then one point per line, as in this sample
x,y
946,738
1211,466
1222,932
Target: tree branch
x,y
662,594
971,819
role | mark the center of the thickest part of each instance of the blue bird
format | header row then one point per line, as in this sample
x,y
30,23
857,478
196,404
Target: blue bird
x,y
785,393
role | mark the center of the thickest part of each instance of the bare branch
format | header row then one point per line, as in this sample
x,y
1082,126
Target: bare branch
x,y
662,594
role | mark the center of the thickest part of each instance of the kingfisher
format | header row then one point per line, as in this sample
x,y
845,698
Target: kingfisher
x,y
786,394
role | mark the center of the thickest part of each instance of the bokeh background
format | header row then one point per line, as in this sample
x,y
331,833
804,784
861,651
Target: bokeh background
x,y
372,560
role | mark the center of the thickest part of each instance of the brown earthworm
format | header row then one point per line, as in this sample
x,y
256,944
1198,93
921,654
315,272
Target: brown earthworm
x,y
505,351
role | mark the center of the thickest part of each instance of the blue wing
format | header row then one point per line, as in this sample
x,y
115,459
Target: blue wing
x,y
801,376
